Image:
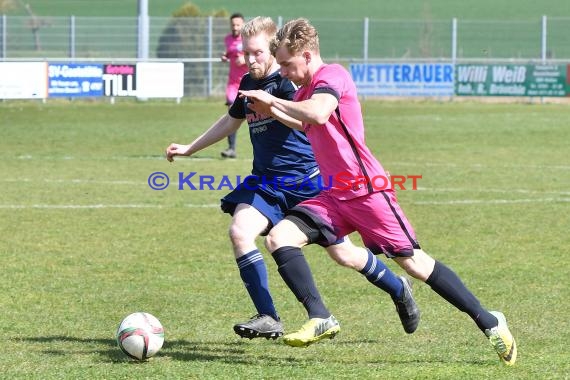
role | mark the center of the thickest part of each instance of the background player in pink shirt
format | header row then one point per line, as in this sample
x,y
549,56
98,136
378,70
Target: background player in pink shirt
x,y
328,107
234,56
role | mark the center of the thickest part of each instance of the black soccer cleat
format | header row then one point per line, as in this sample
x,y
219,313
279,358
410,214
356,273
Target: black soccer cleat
x,y
260,326
407,309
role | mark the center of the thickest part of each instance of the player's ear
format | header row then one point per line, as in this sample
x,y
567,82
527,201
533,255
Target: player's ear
x,y
307,56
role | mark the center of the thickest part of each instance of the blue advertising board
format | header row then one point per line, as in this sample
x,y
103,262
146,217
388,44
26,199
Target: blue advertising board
x,y
75,79
403,79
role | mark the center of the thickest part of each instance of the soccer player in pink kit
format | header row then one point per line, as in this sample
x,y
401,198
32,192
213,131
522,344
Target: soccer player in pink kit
x,y
328,107
234,56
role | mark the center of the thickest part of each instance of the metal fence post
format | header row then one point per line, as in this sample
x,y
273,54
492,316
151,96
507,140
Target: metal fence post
x,y
210,53
453,40
3,22
143,30
544,25
71,36
365,42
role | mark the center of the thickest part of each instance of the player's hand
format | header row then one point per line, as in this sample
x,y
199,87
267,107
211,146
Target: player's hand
x,y
259,96
224,57
259,101
176,150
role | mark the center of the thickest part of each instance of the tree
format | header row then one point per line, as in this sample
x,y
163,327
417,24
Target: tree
x,y
35,23
426,34
183,37
7,5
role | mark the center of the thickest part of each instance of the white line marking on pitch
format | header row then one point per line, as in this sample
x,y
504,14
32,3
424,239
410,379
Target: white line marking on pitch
x,y
480,166
73,181
492,201
120,158
387,163
215,205
143,183
100,206
487,190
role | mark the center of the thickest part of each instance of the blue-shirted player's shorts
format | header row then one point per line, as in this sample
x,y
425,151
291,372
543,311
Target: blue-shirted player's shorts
x,y
272,199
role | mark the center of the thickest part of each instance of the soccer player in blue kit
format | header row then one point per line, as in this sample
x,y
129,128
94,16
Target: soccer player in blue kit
x,y
259,203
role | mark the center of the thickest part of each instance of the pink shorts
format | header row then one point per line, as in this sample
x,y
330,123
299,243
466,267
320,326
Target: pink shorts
x,y
377,217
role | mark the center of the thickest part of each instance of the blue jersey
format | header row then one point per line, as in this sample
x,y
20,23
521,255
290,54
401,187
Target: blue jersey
x,y
278,151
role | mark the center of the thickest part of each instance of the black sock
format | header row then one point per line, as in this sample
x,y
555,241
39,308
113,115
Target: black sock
x,y
295,271
449,286
232,141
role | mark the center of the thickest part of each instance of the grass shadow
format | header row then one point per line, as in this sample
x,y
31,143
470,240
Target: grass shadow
x,y
89,346
182,350
236,352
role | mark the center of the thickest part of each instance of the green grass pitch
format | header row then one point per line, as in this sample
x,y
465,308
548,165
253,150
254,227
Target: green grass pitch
x,y
85,241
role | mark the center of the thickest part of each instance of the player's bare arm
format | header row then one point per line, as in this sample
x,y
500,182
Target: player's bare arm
x,y
261,103
286,119
225,126
315,110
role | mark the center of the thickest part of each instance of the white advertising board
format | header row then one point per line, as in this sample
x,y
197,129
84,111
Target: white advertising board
x,y
23,80
160,80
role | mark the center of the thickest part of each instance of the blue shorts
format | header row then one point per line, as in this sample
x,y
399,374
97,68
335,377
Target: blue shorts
x,y
270,199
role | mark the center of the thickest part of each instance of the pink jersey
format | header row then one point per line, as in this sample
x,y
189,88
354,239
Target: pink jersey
x,y
234,49
347,165
355,177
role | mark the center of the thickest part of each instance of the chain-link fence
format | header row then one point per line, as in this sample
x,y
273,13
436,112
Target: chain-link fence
x,y
199,41
116,37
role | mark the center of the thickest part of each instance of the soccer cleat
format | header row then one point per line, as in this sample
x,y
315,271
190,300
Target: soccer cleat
x,y
229,153
260,326
312,331
502,340
407,309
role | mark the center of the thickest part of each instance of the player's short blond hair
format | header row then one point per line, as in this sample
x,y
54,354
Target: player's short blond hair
x,y
258,25
297,36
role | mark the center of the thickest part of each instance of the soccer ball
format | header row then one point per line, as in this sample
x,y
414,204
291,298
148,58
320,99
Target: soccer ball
x,y
140,335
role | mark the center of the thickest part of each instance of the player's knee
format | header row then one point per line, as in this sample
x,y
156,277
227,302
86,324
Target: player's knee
x,y
415,272
285,234
273,241
343,255
276,239
238,235
233,234
418,266
344,258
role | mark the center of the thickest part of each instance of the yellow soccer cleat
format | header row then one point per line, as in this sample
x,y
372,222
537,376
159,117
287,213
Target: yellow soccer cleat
x,y
312,331
502,340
